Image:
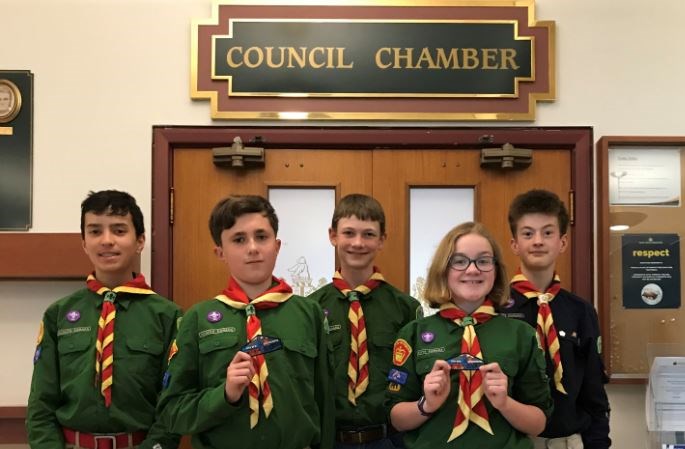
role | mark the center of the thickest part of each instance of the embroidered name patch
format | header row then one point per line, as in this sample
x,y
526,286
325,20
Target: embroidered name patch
x,y
334,327
72,330
218,330
427,351
400,352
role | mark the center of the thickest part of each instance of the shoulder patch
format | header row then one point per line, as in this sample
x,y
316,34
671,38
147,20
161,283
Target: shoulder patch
x,y
419,312
173,349
401,352
41,332
599,345
178,322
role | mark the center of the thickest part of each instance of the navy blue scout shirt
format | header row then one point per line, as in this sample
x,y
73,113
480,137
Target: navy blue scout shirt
x,y
585,409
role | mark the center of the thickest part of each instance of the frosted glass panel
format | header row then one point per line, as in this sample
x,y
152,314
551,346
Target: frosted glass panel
x,y
307,258
432,213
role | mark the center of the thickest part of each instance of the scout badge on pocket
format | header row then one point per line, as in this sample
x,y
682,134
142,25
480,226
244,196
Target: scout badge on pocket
x,y
262,344
465,362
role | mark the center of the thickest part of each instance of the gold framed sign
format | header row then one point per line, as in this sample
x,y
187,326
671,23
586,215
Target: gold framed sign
x,y
10,100
373,60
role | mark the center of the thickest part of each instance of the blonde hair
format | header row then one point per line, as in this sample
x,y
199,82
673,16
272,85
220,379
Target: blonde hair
x,y
437,291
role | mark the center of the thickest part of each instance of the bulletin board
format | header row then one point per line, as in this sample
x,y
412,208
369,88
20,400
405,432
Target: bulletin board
x,y
641,222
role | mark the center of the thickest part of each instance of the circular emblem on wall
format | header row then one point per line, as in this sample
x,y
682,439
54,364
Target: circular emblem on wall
x,y
10,100
652,294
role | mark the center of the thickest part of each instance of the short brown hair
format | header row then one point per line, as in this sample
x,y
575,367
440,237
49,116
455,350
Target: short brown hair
x,y
228,210
437,291
364,207
538,201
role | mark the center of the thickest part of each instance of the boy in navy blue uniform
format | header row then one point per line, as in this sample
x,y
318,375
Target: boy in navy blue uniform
x,y
567,325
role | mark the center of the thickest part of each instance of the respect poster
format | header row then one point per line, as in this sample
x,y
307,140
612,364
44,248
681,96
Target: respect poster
x,y
651,271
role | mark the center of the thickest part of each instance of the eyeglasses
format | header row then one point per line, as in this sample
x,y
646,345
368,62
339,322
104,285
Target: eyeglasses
x,y
462,263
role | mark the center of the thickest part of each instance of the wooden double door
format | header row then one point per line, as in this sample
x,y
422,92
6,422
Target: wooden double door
x,y
385,163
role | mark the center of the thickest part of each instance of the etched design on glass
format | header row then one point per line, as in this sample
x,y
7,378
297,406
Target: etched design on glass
x,y
301,280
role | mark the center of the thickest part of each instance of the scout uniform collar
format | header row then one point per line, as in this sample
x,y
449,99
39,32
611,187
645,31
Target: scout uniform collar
x,y
104,345
234,296
470,405
358,363
546,331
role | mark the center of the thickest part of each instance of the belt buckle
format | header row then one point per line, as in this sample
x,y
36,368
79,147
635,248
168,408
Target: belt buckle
x,y
98,438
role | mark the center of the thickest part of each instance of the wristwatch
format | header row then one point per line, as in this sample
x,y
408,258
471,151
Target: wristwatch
x,y
420,404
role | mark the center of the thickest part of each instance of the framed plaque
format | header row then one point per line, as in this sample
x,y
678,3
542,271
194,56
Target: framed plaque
x,y
16,149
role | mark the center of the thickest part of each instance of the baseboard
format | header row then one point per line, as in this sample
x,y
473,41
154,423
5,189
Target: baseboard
x,y
12,425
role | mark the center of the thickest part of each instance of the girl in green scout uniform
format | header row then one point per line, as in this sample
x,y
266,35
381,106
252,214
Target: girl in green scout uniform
x,y
467,377
364,314
102,350
251,369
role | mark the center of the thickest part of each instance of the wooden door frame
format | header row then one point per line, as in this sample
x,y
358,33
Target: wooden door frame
x,y
579,140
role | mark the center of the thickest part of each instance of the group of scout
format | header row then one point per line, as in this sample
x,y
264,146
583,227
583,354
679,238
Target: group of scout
x,y
355,365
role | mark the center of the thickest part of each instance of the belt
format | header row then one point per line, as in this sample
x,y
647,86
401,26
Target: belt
x,y
361,435
100,441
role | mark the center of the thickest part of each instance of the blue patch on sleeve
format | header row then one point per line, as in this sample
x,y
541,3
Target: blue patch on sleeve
x,y
166,379
397,376
36,356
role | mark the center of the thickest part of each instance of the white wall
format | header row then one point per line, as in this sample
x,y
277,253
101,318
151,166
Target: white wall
x,y
106,71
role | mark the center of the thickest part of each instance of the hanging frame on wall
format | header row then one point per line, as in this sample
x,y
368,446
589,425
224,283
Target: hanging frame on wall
x,y
16,149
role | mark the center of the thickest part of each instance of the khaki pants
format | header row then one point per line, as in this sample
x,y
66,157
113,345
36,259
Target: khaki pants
x,y
571,442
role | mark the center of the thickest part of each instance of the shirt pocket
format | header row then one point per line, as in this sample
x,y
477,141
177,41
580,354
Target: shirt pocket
x,y
74,354
381,345
216,352
300,355
144,355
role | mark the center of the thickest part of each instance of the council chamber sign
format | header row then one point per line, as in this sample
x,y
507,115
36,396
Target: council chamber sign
x,y
363,60
651,271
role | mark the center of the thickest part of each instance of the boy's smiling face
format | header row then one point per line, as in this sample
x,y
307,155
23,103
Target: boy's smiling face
x,y
111,244
538,241
357,241
249,250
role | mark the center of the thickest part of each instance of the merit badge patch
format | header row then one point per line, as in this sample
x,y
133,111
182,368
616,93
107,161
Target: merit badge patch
x,y
262,344
465,362
397,376
73,316
400,352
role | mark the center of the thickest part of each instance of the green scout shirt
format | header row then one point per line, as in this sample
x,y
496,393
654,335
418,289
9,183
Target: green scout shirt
x,y
386,311
502,340
63,389
194,401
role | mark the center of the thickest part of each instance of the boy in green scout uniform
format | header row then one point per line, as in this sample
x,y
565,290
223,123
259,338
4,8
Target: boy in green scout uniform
x,y
364,314
467,377
570,328
102,351
273,393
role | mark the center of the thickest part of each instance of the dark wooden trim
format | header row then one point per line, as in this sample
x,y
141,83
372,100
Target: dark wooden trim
x,y
577,139
42,256
12,426
603,223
